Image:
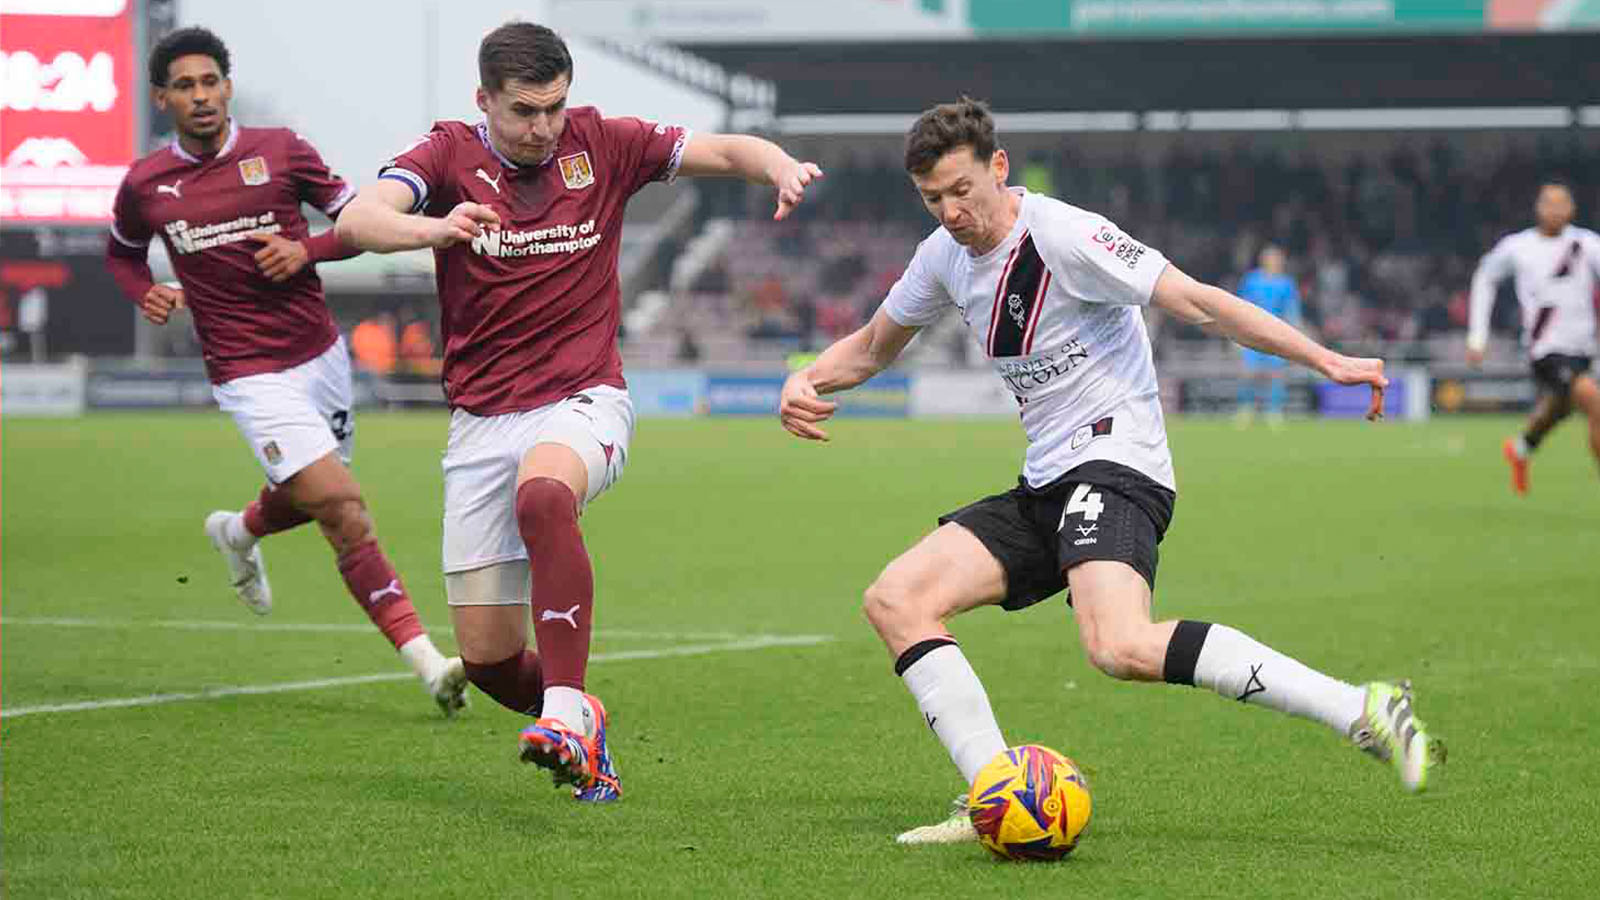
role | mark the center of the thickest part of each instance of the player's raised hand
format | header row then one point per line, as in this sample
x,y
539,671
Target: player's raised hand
x,y
279,258
800,409
463,223
1359,370
791,179
159,302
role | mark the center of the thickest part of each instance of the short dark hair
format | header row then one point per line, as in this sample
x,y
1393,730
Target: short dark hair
x,y
524,51
947,127
1557,181
187,42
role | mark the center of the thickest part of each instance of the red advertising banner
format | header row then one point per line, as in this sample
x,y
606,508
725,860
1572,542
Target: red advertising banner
x,y
68,91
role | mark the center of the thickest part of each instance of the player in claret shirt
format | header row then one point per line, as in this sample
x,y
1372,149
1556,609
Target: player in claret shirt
x,y
226,200
524,212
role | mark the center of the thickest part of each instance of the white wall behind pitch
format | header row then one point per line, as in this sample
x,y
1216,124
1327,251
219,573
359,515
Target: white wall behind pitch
x,y
354,76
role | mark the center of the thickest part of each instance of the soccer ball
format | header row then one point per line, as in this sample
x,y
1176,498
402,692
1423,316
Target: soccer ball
x,y
1029,802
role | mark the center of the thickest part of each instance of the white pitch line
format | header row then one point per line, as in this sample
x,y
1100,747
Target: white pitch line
x,y
223,625
753,642
208,694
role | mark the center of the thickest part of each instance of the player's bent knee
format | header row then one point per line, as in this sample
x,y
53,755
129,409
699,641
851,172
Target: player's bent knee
x,y
888,602
1124,654
542,500
345,522
1111,658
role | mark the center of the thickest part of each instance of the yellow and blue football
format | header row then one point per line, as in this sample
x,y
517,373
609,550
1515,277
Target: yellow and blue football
x,y
1029,802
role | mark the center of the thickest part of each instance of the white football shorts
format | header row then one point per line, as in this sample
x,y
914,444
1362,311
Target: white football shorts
x,y
482,456
295,417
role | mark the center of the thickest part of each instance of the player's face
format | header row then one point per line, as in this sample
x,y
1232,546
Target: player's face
x,y
1554,209
967,195
197,95
526,119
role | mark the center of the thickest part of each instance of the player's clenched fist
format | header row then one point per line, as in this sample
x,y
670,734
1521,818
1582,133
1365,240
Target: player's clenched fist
x,y
801,409
463,223
159,302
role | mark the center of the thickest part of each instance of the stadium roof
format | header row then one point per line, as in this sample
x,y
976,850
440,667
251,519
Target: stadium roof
x,y
1234,74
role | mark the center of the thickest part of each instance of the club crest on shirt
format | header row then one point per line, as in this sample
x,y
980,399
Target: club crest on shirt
x,y
254,170
272,453
576,170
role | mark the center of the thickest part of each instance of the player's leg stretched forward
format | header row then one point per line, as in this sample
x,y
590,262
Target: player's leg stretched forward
x,y
327,493
951,571
945,574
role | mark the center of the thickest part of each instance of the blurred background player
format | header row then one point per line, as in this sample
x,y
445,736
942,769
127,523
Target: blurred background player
x,y
226,200
1553,267
1273,289
1051,292
524,212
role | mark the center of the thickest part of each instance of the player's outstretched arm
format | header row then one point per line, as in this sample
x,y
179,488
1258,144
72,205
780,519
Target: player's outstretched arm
x,y
377,221
848,362
753,159
1220,312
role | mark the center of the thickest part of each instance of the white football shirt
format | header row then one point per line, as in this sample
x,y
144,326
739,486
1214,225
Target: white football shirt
x,y
1055,308
1554,279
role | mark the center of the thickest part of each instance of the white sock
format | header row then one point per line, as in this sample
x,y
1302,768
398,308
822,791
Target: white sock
x,y
238,536
1520,447
567,706
422,656
954,705
1239,667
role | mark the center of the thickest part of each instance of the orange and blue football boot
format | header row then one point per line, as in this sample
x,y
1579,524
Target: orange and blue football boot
x,y
572,757
607,785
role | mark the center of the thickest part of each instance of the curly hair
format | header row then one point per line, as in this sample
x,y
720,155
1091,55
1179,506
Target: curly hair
x,y
186,42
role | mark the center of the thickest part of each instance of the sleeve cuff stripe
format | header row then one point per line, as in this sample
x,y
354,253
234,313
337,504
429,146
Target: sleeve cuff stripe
x,y
671,173
338,202
117,235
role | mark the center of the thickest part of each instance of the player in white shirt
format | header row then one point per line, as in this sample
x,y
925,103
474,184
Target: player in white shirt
x,y
1553,266
1052,294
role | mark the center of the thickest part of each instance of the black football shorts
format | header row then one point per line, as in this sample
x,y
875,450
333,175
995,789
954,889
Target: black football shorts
x,y
1099,510
1555,373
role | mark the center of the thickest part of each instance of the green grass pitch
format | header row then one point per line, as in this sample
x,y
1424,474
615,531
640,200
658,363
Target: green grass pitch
x,y
758,768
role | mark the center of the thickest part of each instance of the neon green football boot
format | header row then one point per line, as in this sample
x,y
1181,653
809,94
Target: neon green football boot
x,y
1389,731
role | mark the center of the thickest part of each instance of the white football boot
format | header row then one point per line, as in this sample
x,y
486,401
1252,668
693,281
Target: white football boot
x,y
957,829
448,685
246,571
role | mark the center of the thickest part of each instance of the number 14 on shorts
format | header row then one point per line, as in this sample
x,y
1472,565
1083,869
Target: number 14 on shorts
x,y
1085,501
